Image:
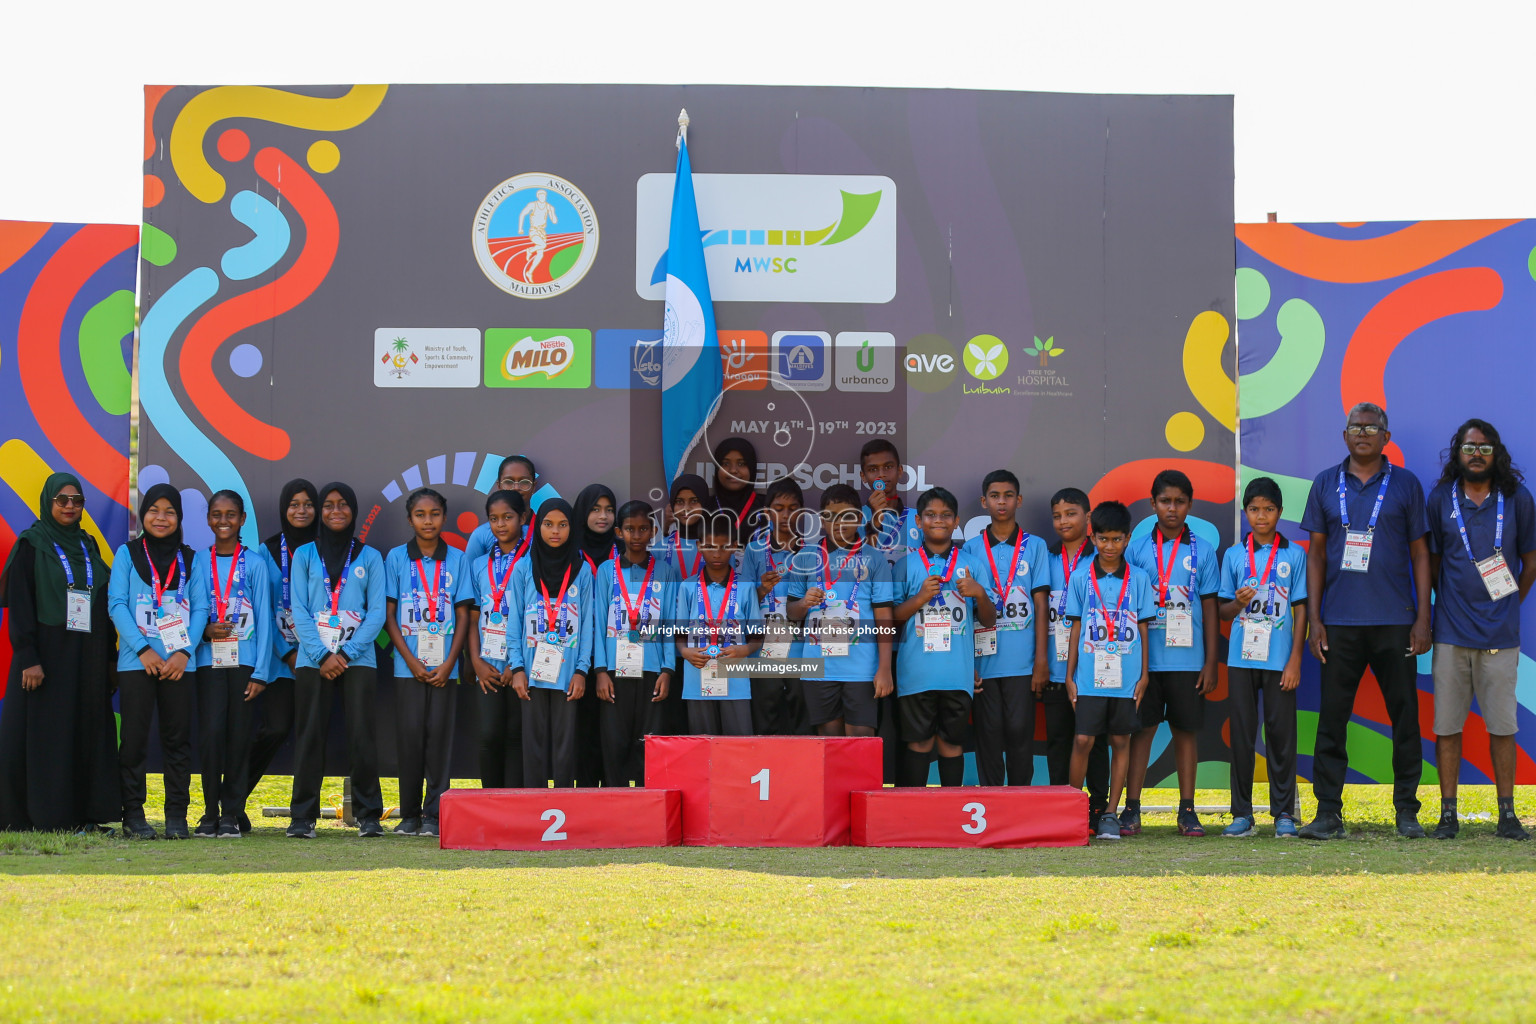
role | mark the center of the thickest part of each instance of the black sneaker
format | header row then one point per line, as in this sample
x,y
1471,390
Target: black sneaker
x,y
301,828
138,828
1448,828
1326,825
1408,826
1130,822
369,830
408,827
228,829
207,828
1510,828
244,823
1110,827
428,827
1189,824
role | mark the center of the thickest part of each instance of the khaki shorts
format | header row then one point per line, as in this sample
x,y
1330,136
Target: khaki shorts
x,y
1461,672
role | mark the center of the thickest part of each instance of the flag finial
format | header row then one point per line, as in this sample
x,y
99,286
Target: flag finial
x,y
682,126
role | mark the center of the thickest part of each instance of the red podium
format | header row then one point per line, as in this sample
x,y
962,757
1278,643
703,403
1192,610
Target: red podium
x,y
978,816
559,819
764,790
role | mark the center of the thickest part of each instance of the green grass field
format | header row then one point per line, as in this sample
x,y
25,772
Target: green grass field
x,y
1155,928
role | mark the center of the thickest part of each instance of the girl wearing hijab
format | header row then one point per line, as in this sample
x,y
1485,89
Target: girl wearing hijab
x,y
689,502
234,663
551,632
338,609
160,617
595,509
58,763
298,509
735,482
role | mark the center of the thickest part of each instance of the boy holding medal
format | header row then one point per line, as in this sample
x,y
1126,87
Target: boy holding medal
x,y
1181,648
1109,604
848,592
487,584
1263,583
719,616
940,600
634,661
1012,666
778,704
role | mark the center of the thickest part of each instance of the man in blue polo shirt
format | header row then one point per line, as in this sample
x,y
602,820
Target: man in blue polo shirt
x,y
1367,607
1482,543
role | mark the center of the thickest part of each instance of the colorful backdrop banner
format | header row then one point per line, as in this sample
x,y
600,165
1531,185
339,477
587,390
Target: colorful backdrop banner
x,y
1430,320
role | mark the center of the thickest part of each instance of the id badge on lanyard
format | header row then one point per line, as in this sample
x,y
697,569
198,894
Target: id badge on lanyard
x,y
986,641
493,640
936,627
711,682
1180,628
1256,634
431,649
548,659
630,658
835,631
1106,667
1497,577
77,611
1061,636
1177,624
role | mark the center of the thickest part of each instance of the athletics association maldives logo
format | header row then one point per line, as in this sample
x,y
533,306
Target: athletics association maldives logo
x,y
535,235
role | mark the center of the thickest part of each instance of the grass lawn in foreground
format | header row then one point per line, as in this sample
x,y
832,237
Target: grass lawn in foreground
x,y
1153,928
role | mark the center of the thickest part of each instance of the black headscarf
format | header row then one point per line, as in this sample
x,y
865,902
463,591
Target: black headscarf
x,y
696,484
335,545
550,563
297,538
162,550
596,546
736,501
49,580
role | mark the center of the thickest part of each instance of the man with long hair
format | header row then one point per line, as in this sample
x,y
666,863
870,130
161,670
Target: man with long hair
x,y
1482,542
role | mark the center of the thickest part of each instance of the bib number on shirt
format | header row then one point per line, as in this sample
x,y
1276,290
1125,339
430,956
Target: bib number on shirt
x,y
548,659
1357,551
1015,613
333,635
77,611
1496,576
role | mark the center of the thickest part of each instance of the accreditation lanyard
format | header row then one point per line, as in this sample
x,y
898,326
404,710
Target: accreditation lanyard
x,y
159,587
698,556
419,587
554,613
826,563
1254,579
1021,539
1498,530
90,574
1381,496
287,592
746,509
712,623
1067,569
933,570
1165,574
1110,622
335,591
632,611
233,586
499,594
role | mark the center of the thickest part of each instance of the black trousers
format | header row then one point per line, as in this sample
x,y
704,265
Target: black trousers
x,y
625,724
501,738
589,736
140,696
312,698
773,706
424,717
1351,650
549,738
1003,717
224,739
276,703
720,717
1244,686
1060,728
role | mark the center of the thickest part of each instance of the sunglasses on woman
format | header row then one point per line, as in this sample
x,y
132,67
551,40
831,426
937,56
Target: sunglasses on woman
x,y
1484,450
69,500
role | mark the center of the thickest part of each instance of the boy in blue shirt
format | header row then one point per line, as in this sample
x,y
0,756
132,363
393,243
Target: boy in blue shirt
x,y
1069,518
940,601
718,619
1181,646
1263,582
634,658
778,702
1012,658
1109,603
845,603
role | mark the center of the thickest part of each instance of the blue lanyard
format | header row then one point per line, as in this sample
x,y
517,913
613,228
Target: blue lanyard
x,y
90,580
235,600
287,593
498,559
1066,575
1381,495
730,611
849,555
1498,530
416,591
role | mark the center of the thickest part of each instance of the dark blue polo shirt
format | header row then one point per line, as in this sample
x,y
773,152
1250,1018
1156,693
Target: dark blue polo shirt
x,y
1384,595
1464,613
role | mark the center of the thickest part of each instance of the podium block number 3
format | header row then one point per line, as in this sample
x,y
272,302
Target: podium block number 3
x,y
978,823
556,819
761,778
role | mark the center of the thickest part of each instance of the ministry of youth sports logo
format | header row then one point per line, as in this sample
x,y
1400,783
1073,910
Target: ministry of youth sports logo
x,y
535,236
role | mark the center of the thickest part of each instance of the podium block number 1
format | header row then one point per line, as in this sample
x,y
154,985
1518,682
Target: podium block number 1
x,y
761,778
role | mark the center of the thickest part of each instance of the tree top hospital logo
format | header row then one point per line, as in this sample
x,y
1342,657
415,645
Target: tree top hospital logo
x,y
535,236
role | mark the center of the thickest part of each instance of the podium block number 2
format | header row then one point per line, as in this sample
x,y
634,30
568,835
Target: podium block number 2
x,y
761,778
978,823
556,819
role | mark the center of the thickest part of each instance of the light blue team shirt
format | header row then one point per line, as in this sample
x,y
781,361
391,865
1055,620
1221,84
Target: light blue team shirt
x,y
757,558
411,600
1207,573
742,618
361,607
918,670
1016,613
131,605
1056,604
1083,606
659,595
1284,586
895,541
255,622
281,643
862,581
575,622
475,586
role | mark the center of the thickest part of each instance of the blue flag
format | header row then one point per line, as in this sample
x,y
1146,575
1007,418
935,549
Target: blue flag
x,y
691,375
